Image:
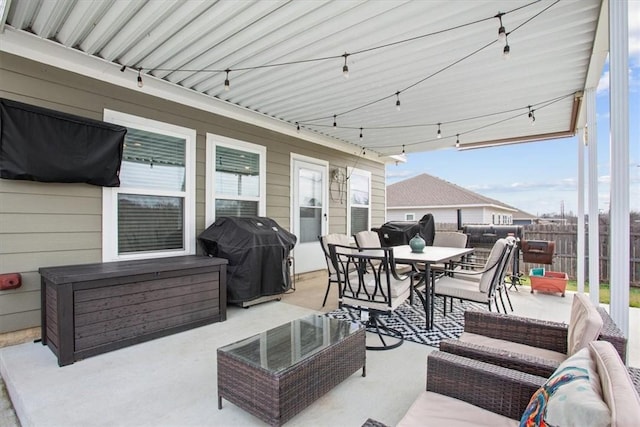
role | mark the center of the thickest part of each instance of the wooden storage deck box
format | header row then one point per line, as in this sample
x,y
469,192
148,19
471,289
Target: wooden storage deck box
x,y
552,281
94,308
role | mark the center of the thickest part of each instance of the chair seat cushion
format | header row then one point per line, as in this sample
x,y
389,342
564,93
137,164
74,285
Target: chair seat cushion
x,y
400,291
464,289
513,347
433,409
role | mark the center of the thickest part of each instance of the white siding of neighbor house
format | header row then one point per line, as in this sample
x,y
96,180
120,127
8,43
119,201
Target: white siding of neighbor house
x,y
48,224
470,215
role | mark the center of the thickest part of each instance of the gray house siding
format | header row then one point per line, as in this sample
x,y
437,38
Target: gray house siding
x,y
47,224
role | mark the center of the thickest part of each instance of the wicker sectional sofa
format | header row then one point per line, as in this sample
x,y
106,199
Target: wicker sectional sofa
x,y
464,392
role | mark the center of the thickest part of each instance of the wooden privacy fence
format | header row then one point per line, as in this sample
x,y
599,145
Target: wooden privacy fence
x,y
565,256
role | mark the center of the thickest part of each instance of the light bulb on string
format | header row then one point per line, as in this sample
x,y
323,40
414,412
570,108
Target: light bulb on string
x,y
506,52
140,84
457,140
334,121
360,134
298,127
502,33
402,149
398,100
439,134
345,69
532,116
226,80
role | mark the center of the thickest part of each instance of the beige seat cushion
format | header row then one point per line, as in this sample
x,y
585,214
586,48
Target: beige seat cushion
x,y
618,391
400,291
433,409
585,324
512,347
456,288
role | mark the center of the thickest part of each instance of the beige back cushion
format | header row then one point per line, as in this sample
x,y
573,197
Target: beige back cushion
x,y
334,239
618,391
585,324
491,265
367,239
450,239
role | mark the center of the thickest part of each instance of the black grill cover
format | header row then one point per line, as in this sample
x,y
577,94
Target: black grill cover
x,y
257,249
38,144
395,233
484,236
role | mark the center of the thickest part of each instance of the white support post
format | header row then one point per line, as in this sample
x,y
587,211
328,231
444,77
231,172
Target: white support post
x,y
594,217
619,124
581,235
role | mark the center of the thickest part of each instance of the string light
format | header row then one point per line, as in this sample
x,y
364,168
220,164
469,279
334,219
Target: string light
x,y
360,134
334,121
398,100
506,52
298,127
532,116
226,81
457,140
345,69
439,135
402,148
502,33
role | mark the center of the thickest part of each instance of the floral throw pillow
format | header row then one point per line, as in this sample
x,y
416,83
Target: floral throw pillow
x,y
571,397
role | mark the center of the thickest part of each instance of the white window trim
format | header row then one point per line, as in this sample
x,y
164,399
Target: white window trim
x,y
406,217
213,141
110,195
350,172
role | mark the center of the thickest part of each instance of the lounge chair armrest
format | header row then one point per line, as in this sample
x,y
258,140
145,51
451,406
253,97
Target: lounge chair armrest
x,y
496,389
517,361
523,330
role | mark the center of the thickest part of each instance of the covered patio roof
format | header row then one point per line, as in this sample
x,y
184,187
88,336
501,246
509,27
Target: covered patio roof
x,y
443,61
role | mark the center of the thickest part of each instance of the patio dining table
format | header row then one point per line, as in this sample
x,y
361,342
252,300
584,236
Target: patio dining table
x,y
430,255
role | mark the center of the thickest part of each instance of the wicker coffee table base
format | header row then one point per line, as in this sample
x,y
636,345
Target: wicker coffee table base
x,y
276,397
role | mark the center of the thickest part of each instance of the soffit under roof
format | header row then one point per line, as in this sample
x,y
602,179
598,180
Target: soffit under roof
x,y
442,56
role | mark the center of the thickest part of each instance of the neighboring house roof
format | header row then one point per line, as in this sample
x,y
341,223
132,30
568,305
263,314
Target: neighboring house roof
x,y
523,215
425,190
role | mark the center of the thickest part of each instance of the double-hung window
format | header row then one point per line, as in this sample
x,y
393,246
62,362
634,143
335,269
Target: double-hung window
x,y
236,178
359,208
152,213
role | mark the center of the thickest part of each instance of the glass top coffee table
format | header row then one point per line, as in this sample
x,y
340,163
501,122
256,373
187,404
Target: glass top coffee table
x,y
277,373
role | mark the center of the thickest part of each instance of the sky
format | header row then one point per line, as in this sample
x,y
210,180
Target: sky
x,y
541,177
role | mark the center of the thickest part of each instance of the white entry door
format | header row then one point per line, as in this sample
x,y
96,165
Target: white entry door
x,y
309,208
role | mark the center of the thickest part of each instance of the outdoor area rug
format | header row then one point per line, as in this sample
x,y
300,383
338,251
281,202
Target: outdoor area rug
x,y
410,320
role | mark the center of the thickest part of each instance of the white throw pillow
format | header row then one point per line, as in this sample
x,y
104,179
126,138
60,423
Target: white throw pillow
x,y
572,396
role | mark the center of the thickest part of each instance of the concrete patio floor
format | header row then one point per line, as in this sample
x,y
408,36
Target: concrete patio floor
x,y
171,381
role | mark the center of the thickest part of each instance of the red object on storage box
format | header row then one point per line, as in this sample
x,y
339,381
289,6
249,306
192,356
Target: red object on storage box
x,y
552,281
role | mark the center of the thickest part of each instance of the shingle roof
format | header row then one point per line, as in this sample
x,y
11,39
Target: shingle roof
x,y
427,190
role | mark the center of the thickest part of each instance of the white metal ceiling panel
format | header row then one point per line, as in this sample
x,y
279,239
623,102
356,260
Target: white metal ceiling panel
x,y
442,56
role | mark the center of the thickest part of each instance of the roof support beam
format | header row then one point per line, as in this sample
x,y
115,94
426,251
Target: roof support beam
x,y
619,169
581,234
594,215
